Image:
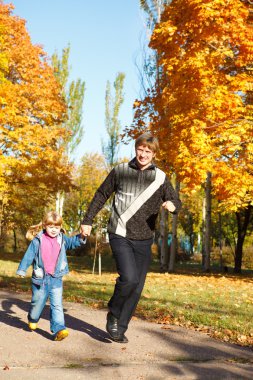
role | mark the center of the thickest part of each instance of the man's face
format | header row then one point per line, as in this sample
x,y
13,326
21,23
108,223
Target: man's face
x,y
144,156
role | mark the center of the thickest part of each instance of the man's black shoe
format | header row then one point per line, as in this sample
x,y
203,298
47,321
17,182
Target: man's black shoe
x,y
121,339
112,326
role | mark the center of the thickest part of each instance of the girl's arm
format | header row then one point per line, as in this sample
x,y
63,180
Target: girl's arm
x,y
74,241
28,258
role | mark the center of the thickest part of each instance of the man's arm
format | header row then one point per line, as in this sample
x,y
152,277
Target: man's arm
x,y
102,194
171,201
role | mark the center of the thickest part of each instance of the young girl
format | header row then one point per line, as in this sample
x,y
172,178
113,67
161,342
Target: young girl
x,y
47,254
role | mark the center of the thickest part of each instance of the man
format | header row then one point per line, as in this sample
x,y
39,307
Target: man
x,y
140,189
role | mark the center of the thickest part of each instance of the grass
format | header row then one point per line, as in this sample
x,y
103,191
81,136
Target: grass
x,y
218,304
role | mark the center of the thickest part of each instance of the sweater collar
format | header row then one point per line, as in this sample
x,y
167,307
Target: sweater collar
x,y
133,164
59,237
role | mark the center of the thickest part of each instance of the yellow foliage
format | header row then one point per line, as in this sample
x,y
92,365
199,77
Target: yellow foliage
x,y
32,167
197,108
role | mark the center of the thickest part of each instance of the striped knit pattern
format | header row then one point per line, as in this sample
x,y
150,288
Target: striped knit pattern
x,y
138,197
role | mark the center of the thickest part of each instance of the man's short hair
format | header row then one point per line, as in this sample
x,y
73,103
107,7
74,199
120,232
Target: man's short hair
x,y
147,139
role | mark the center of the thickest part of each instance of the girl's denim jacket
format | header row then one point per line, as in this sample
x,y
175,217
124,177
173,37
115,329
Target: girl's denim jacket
x,y
33,257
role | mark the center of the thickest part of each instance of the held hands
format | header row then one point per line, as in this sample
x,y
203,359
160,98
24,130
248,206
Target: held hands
x,y
169,206
85,230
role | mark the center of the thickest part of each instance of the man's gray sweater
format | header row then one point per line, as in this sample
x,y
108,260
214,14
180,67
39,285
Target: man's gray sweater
x,y
137,200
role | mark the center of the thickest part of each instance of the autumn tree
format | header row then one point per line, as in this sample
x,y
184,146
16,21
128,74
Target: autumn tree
x,y
78,200
199,109
32,161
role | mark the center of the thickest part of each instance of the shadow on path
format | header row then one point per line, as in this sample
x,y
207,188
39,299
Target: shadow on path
x,y
9,317
196,355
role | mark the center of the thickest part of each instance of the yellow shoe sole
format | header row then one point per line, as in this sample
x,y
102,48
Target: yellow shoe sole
x,y
32,325
62,334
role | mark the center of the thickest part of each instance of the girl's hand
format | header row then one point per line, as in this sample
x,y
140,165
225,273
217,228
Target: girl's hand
x,y
169,206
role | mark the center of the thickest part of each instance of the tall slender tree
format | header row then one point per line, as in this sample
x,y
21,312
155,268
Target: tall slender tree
x,y
150,82
73,93
149,70
112,108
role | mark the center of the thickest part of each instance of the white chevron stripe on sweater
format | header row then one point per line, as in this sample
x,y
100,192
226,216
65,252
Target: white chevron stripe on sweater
x,y
139,201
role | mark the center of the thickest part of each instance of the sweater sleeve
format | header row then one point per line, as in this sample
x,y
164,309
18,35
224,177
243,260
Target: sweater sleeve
x,y
102,194
169,194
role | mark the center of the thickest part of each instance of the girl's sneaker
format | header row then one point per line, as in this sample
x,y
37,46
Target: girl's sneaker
x,y
32,325
62,334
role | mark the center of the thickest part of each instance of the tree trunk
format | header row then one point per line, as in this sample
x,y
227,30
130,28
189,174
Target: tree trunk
x,y
164,255
15,240
59,203
1,219
173,248
243,220
238,254
203,230
95,253
207,249
220,242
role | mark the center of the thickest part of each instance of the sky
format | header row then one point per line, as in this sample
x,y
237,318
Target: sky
x,y
104,38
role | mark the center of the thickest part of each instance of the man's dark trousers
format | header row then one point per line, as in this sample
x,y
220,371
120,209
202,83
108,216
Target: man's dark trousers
x,y
132,258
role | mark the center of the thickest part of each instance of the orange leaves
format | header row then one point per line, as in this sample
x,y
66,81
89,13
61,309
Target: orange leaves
x,y
197,107
30,119
212,304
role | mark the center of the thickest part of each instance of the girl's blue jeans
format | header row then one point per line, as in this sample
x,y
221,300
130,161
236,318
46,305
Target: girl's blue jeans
x,y
52,289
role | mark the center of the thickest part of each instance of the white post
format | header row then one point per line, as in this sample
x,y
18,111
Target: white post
x,y
99,264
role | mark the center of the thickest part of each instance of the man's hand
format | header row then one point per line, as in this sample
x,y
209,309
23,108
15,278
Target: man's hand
x,y
85,230
169,206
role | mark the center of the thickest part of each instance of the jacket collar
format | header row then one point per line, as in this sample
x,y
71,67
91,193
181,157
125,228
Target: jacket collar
x,y
133,164
59,237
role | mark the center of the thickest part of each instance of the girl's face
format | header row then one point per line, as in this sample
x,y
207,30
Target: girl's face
x,y
53,230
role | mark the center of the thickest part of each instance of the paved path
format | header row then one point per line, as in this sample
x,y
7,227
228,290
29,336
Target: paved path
x,y
153,352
